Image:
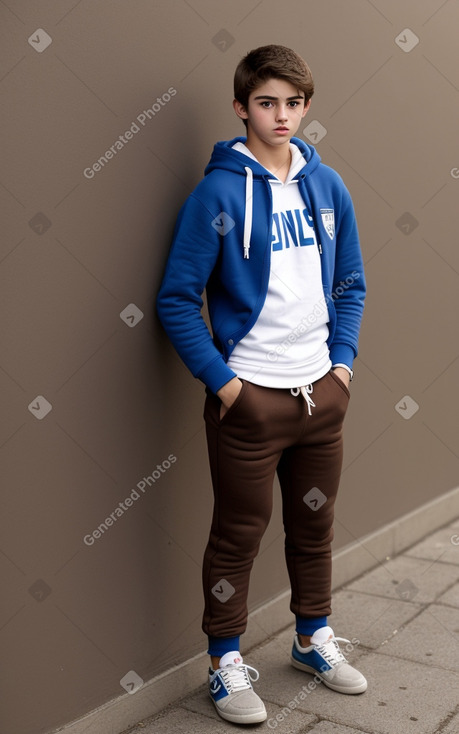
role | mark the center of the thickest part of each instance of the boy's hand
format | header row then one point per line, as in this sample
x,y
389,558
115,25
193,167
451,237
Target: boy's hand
x,y
228,394
343,375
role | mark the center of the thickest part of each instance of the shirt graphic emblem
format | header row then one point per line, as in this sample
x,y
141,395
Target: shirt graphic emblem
x,y
328,220
292,228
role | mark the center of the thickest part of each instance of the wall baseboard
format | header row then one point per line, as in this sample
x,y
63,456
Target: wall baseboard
x,y
348,563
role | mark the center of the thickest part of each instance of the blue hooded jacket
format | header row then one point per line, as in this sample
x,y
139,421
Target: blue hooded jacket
x,y
222,244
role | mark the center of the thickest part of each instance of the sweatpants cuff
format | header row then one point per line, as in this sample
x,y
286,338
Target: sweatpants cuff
x,y
219,646
309,625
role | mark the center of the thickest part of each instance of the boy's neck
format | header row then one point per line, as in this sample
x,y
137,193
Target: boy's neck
x,y
276,159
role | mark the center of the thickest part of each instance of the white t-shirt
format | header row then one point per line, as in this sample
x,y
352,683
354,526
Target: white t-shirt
x,y
287,346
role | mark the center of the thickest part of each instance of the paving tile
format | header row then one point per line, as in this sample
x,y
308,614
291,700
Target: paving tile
x,y
450,597
371,619
408,579
442,545
432,638
286,719
331,727
402,695
178,721
452,726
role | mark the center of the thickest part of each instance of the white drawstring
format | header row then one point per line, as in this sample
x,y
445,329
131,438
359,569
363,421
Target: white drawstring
x,y
306,392
248,211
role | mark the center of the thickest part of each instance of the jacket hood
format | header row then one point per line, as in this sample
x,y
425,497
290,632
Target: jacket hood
x,y
225,158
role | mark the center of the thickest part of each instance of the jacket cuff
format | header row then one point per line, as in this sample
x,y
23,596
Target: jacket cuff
x,y
342,353
216,375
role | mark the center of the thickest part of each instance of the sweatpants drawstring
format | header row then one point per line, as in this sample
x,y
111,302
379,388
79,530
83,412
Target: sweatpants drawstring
x,y
306,392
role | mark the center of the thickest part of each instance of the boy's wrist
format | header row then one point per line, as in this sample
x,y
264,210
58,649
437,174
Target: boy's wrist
x,y
341,365
229,392
342,374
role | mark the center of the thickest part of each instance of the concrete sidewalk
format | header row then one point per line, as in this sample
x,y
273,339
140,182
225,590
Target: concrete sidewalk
x,y
403,621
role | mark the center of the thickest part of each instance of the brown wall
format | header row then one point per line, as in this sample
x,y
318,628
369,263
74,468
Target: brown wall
x,y
77,251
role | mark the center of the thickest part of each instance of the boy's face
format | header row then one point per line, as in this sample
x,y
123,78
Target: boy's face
x,y
274,111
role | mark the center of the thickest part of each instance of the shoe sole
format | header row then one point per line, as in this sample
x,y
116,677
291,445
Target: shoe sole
x,y
255,718
340,689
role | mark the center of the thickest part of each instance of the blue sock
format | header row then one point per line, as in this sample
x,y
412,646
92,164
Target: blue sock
x,y
218,646
309,625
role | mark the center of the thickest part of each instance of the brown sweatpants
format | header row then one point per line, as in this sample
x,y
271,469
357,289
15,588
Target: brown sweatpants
x,y
268,430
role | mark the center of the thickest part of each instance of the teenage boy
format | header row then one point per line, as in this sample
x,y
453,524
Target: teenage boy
x,y
270,233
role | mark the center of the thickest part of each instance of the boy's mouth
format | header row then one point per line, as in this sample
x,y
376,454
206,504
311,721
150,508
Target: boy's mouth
x,y
281,129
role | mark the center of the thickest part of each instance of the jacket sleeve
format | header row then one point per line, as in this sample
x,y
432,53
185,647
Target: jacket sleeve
x,y
194,253
349,287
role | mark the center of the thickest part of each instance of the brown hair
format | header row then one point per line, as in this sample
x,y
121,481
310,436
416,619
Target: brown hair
x,y
271,62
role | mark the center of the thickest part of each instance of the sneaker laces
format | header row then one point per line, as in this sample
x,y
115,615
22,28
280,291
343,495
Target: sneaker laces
x,y
238,677
331,652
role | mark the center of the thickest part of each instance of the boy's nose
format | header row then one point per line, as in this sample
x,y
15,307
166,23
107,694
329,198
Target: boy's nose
x,y
282,113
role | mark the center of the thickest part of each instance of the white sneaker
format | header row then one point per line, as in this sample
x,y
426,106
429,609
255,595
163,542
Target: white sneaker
x,y
230,689
324,658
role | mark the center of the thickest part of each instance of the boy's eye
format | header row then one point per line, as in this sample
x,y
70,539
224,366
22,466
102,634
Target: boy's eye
x,y
267,104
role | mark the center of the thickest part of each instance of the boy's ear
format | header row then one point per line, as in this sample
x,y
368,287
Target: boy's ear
x,y
240,110
306,108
